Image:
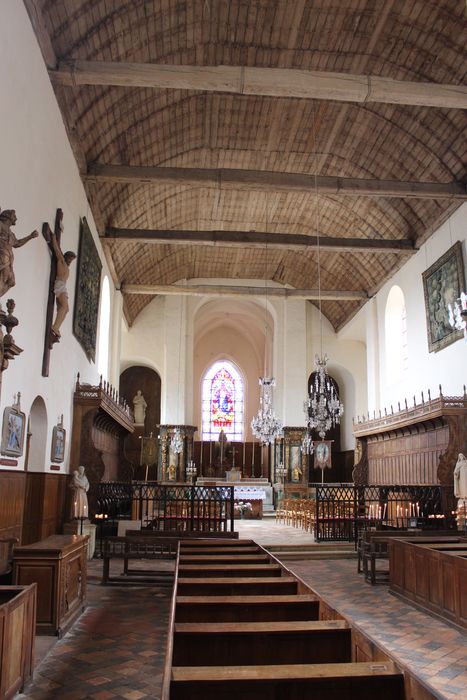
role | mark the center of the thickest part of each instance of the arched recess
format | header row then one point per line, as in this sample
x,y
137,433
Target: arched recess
x,y
395,327
104,330
37,436
133,379
241,332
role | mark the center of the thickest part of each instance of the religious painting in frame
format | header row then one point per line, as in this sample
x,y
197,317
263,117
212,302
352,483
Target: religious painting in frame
x,y
57,451
88,287
13,432
442,285
322,454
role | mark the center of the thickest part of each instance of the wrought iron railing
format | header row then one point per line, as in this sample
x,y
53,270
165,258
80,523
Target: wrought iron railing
x,y
343,510
162,507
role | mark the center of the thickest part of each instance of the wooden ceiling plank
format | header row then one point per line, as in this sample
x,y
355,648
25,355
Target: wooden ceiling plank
x,y
273,82
258,239
226,290
36,17
274,181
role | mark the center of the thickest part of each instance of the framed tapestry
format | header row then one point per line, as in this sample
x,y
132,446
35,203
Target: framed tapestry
x,y
88,286
13,432
442,285
57,451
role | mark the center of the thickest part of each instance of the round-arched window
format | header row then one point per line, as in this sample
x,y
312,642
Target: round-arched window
x,y
396,336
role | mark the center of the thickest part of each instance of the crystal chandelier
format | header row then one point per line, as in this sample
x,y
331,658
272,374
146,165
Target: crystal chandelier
x,y
322,407
458,314
177,442
266,426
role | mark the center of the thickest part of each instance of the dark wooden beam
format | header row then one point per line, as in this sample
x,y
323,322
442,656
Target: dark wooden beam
x,y
267,181
274,82
259,239
227,290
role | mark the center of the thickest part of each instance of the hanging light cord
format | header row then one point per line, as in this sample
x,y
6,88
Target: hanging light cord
x,y
317,223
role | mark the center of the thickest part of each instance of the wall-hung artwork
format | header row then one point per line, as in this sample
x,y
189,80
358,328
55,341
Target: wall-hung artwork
x,y
13,432
57,452
322,453
442,285
88,286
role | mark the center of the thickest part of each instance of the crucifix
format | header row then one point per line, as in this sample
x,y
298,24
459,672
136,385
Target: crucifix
x,y
59,274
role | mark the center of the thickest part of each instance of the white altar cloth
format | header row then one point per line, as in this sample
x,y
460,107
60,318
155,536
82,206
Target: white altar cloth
x,y
243,493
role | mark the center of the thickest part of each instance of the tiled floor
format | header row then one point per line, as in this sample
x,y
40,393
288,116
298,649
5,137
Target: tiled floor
x,y
434,651
116,649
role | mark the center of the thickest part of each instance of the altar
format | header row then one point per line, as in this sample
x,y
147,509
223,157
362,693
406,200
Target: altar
x,y
257,491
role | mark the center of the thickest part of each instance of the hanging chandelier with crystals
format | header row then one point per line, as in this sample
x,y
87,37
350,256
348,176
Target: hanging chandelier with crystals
x,y
322,407
458,314
176,444
266,426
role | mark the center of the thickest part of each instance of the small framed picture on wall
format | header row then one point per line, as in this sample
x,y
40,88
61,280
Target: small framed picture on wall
x,y
13,432
57,451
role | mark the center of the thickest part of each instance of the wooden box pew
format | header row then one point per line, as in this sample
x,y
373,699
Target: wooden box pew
x,y
254,608
261,585
259,643
347,681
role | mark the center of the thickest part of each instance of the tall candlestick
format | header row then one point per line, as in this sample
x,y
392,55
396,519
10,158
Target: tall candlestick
x,y
244,443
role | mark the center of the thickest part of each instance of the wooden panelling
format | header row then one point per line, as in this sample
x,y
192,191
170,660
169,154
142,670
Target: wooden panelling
x,y
44,511
432,576
406,459
12,487
17,621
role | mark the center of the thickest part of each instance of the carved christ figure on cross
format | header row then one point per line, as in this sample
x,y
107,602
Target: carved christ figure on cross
x,y
61,277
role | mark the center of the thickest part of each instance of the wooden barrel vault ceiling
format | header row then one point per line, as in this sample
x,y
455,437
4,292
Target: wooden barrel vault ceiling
x,y
222,138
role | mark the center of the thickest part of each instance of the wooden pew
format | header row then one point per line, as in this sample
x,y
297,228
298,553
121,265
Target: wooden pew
x,y
228,570
347,681
235,558
266,585
238,633
137,548
229,644
255,608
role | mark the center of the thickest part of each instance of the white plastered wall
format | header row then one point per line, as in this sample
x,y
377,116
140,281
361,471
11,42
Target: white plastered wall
x,y
425,370
38,175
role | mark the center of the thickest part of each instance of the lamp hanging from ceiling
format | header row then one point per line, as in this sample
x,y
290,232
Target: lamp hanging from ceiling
x,y
266,426
322,406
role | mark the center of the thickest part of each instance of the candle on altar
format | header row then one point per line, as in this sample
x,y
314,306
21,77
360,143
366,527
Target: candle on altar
x,y
418,510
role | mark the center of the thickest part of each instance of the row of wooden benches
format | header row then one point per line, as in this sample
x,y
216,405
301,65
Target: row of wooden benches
x,y
242,625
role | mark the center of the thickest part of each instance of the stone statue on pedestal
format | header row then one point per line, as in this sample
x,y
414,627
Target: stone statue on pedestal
x,y
80,487
460,477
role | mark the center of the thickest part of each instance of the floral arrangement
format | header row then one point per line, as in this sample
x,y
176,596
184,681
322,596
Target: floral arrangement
x,y
243,507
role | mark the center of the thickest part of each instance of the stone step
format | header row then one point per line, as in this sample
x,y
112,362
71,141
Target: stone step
x,y
312,551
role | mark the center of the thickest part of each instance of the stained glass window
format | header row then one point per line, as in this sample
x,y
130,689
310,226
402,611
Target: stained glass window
x,y
222,402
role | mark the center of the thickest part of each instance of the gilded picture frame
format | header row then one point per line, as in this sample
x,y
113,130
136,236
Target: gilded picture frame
x,y
57,449
13,429
88,287
442,285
